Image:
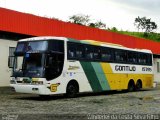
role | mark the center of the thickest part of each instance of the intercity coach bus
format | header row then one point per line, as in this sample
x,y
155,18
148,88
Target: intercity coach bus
x,y
58,65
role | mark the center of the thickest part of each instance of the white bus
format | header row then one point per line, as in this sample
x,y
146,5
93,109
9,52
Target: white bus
x,y
58,65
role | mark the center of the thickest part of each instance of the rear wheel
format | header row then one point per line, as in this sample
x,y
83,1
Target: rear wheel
x,y
72,90
131,86
138,85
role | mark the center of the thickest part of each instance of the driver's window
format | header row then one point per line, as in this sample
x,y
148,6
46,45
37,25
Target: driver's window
x,y
54,66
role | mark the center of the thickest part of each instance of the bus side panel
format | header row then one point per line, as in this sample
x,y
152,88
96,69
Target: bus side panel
x,y
100,76
119,81
115,81
96,76
75,71
147,81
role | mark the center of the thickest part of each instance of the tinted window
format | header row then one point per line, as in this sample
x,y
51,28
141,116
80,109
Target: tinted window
x,y
88,52
97,53
71,47
92,53
56,46
80,53
132,57
120,56
142,58
106,54
149,59
145,59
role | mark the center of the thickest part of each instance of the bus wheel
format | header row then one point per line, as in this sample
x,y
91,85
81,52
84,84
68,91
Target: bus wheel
x,y
131,86
72,89
138,85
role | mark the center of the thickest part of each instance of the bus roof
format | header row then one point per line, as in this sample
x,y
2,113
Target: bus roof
x,y
91,42
117,46
43,38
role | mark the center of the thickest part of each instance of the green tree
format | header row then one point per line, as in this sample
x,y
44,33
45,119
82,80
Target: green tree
x,y
145,25
98,24
114,29
85,20
80,19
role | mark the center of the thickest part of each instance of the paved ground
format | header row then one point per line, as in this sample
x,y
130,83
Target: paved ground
x,y
144,104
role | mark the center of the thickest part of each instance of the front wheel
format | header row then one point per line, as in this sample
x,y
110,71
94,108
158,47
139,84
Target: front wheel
x,y
72,90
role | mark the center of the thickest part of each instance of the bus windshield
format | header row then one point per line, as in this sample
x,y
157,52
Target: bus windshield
x,y
33,65
32,46
39,59
30,65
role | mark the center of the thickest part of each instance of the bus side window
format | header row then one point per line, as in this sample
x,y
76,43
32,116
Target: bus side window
x,y
132,57
71,54
97,53
120,56
106,54
56,46
71,50
149,59
89,52
80,52
54,65
142,58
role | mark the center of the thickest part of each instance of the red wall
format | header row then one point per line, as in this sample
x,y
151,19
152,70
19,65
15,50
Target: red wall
x,y
17,22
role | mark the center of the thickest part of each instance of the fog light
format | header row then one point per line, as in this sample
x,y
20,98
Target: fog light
x,y
12,81
34,89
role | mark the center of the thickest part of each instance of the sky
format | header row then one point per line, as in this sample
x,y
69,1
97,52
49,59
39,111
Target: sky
x,y
114,13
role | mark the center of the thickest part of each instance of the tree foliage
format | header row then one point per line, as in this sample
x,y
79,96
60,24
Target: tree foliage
x,y
114,29
85,20
98,24
145,24
79,19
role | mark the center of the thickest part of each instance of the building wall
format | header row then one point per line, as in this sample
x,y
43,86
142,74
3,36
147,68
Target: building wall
x,y
157,70
5,72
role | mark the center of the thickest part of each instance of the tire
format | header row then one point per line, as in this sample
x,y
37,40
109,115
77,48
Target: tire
x,y
138,85
131,86
72,90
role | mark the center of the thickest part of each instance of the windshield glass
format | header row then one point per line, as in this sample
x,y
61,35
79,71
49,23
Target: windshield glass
x,y
33,65
38,45
30,65
32,46
40,59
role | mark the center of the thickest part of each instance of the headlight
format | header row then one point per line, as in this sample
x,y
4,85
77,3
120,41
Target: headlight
x,y
13,81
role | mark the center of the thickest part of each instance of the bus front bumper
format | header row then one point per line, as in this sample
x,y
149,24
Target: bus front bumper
x,y
33,89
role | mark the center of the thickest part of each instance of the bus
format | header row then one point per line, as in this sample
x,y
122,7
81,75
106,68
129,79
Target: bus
x,y
59,65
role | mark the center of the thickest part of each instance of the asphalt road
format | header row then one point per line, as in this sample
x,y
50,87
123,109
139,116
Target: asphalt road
x,y
144,104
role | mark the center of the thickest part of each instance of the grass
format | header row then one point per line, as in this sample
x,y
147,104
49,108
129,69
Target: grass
x,y
151,36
